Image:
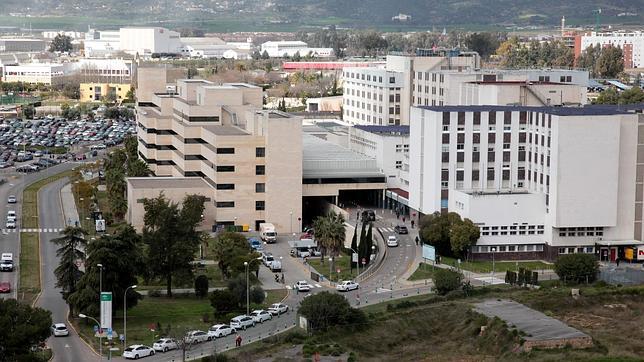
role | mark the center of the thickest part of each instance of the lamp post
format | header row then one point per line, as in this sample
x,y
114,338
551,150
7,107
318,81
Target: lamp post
x,y
125,314
493,249
100,278
330,267
291,219
247,290
100,336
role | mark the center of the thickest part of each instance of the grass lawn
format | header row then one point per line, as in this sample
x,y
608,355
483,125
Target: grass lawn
x,y
424,271
174,315
499,266
341,262
29,267
29,283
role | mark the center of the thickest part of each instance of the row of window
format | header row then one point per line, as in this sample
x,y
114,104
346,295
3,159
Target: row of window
x,y
259,205
259,151
367,77
577,250
441,77
512,232
507,248
260,187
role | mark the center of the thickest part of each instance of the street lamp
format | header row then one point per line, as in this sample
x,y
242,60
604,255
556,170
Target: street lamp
x,y
125,313
100,279
493,249
247,290
291,218
330,267
100,335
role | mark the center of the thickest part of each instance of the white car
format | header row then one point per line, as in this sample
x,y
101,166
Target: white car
x,y
302,286
12,199
242,322
347,285
220,330
193,337
392,241
260,315
59,330
137,351
10,224
11,215
278,308
165,345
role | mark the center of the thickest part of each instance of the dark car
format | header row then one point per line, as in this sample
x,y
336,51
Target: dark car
x,y
401,229
368,215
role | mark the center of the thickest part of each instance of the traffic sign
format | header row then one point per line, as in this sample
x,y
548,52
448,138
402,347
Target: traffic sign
x,y
364,261
338,270
121,337
95,329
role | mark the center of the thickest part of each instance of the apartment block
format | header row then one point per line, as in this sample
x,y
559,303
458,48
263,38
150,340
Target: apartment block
x,y
631,43
251,159
383,95
538,181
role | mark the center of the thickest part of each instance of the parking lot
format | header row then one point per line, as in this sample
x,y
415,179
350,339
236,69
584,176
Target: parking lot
x,y
33,145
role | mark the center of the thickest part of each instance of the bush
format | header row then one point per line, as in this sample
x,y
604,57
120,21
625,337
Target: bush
x,y
201,286
446,280
577,268
325,310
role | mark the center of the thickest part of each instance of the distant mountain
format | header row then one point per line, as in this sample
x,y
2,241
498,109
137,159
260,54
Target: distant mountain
x,y
344,13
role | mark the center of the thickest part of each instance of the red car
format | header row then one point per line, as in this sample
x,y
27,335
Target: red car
x,y
5,287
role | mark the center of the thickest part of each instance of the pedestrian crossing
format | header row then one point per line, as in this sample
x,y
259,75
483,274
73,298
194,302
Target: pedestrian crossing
x,y
41,230
389,230
290,287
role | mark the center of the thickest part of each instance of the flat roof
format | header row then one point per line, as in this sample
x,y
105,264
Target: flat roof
x,y
559,111
167,182
226,130
322,159
392,130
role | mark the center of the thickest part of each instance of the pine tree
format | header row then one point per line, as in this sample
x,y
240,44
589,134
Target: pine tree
x,y
354,243
362,246
369,242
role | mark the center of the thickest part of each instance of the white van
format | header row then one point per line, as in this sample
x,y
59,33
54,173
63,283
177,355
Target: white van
x,y
267,232
6,262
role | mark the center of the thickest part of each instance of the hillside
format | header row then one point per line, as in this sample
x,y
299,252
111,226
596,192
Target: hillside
x,y
356,13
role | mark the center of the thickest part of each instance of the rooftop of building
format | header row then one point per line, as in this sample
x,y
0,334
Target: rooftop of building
x,y
167,182
325,159
516,82
226,130
384,130
604,110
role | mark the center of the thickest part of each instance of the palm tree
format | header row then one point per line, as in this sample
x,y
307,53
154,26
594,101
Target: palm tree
x,y
72,248
329,233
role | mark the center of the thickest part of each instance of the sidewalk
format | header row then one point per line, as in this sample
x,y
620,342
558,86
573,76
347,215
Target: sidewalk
x,y
70,213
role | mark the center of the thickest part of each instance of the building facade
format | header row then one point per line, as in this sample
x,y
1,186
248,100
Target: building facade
x,y
97,92
538,181
631,43
22,45
219,133
35,73
278,49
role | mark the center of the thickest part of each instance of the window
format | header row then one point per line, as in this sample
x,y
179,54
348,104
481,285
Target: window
x,y
392,79
260,205
225,151
225,168
222,204
260,187
399,165
225,186
260,152
260,170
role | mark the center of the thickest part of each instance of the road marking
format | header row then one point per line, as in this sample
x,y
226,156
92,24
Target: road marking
x,y
382,290
318,286
289,287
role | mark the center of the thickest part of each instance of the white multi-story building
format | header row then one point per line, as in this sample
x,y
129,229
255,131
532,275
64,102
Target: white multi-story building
x,y
538,181
526,87
141,41
631,43
103,70
383,96
35,73
278,49
22,45
99,43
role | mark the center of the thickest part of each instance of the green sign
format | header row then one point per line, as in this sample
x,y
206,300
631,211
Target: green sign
x,y
106,297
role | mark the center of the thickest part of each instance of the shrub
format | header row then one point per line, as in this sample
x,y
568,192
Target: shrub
x,y
324,310
201,286
577,268
446,280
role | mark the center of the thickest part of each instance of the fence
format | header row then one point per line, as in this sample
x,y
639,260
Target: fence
x,y
623,276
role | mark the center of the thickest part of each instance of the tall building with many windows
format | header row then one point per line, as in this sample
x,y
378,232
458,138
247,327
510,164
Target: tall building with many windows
x,y
539,181
251,159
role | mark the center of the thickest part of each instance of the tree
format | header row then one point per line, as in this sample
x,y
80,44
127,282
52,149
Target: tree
x,y
223,301
72,246
21,328
448,233
362,245
446,280
369,243
28,112
296,57
201,286
72,90
577,268
255,55
122,260
265,55
171,236
634,95
610,62
130,96
325,310
462,236
138,168
238,287
483,43
231,251
330,233
61,43
608,96
354,244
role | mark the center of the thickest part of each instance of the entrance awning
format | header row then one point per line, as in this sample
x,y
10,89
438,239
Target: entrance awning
x,y
399,195
620,243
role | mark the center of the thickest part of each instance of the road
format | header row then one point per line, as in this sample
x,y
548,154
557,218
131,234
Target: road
x,y
10,239
66,349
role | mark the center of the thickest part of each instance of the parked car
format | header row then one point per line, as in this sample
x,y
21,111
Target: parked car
x,y
59,330
165,345
401,229
12,199
6,265
300,252
347,285
11,215
242,322
220,330
392,241
193,337
278,308
5,287
137,351
255,243
302,286
10,224
260,315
